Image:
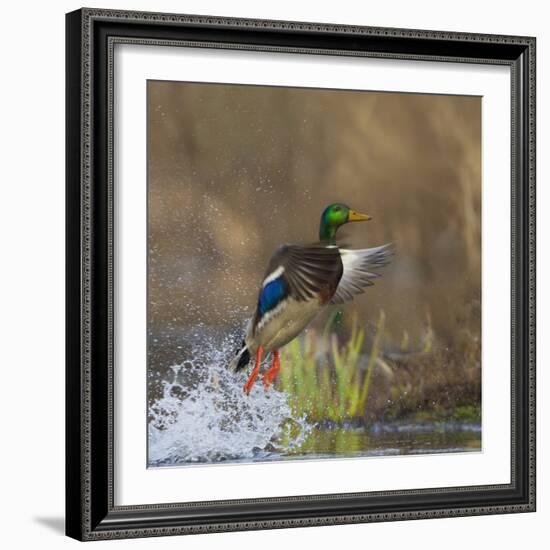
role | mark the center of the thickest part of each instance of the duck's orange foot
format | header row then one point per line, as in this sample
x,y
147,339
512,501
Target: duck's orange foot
x,y
249,383
272,372
254,373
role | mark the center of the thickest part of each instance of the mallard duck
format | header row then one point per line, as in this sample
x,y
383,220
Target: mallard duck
x,y
300,281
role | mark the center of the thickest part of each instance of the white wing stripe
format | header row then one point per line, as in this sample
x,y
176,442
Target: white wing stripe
x,y
272,276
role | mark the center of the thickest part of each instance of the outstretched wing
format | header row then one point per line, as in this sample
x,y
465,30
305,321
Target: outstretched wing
x,y
300,272
358,274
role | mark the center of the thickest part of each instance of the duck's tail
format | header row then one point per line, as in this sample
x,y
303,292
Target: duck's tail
x,y
241,359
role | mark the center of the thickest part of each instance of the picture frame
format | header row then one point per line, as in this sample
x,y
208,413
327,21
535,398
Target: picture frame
x,y
91,329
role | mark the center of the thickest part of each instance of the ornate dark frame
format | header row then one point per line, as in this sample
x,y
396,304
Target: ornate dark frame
x,y
90,510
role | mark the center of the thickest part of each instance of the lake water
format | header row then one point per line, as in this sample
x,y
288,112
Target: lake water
x,y
203,416
354,443
388,440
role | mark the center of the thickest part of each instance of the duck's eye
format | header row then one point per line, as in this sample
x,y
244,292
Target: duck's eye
x,y
337,209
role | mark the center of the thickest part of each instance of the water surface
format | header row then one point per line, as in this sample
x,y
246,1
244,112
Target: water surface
x,y
203,416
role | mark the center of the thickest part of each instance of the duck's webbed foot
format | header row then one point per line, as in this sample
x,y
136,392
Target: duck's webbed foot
x,y
272,372
255,372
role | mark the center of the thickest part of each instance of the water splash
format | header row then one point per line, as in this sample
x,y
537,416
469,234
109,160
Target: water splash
x,y
204,415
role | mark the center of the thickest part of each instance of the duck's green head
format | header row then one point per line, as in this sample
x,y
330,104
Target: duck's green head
x,y
334,216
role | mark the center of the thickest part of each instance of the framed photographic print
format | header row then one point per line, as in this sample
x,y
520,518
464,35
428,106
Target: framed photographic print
x,y
300,274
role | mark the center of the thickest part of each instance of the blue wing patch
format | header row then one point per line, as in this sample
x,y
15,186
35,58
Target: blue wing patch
x,y
272,294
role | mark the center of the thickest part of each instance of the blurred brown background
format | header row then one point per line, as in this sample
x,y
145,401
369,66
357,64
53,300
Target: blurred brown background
x,y
234,171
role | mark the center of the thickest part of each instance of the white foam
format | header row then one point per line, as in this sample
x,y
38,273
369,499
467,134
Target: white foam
x,y
205,416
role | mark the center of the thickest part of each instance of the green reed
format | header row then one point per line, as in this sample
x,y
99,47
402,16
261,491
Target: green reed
x,y
331,384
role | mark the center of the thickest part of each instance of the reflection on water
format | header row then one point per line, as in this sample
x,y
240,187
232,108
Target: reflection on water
x,y
389,439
